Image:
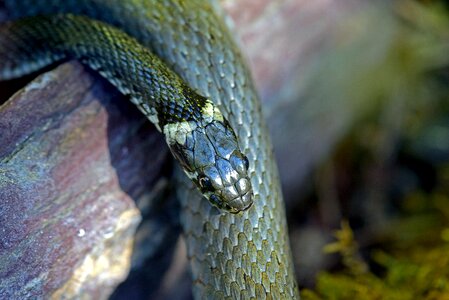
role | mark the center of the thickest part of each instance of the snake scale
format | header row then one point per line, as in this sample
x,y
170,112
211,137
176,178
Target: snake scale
x,y
240,255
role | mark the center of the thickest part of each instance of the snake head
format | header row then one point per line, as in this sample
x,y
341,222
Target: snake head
x,y
226,183
210,155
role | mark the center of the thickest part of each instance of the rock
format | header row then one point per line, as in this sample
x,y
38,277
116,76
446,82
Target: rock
x,y
76,159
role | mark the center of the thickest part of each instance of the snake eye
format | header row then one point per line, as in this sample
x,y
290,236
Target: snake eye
x,y
205,183
246,161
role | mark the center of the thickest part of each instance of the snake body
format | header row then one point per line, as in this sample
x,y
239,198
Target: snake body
x,y
244,255
196,131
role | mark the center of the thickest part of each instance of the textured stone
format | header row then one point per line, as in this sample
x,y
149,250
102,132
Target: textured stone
x,y
75,159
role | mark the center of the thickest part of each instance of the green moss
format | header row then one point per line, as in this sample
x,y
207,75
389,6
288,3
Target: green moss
x,y
419,270
420,273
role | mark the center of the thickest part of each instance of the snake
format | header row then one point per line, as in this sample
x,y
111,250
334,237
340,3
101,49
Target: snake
x,y
178,62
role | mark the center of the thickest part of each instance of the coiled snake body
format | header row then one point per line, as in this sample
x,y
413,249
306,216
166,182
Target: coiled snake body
x,y
244,254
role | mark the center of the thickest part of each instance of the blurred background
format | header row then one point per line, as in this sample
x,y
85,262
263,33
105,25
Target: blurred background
x,y
356,98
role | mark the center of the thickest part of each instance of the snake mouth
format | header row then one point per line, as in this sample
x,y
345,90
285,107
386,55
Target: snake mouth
x,y
240,208
248,207
235,211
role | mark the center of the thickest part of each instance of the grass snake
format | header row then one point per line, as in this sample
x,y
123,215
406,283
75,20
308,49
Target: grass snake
x,y
244,254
